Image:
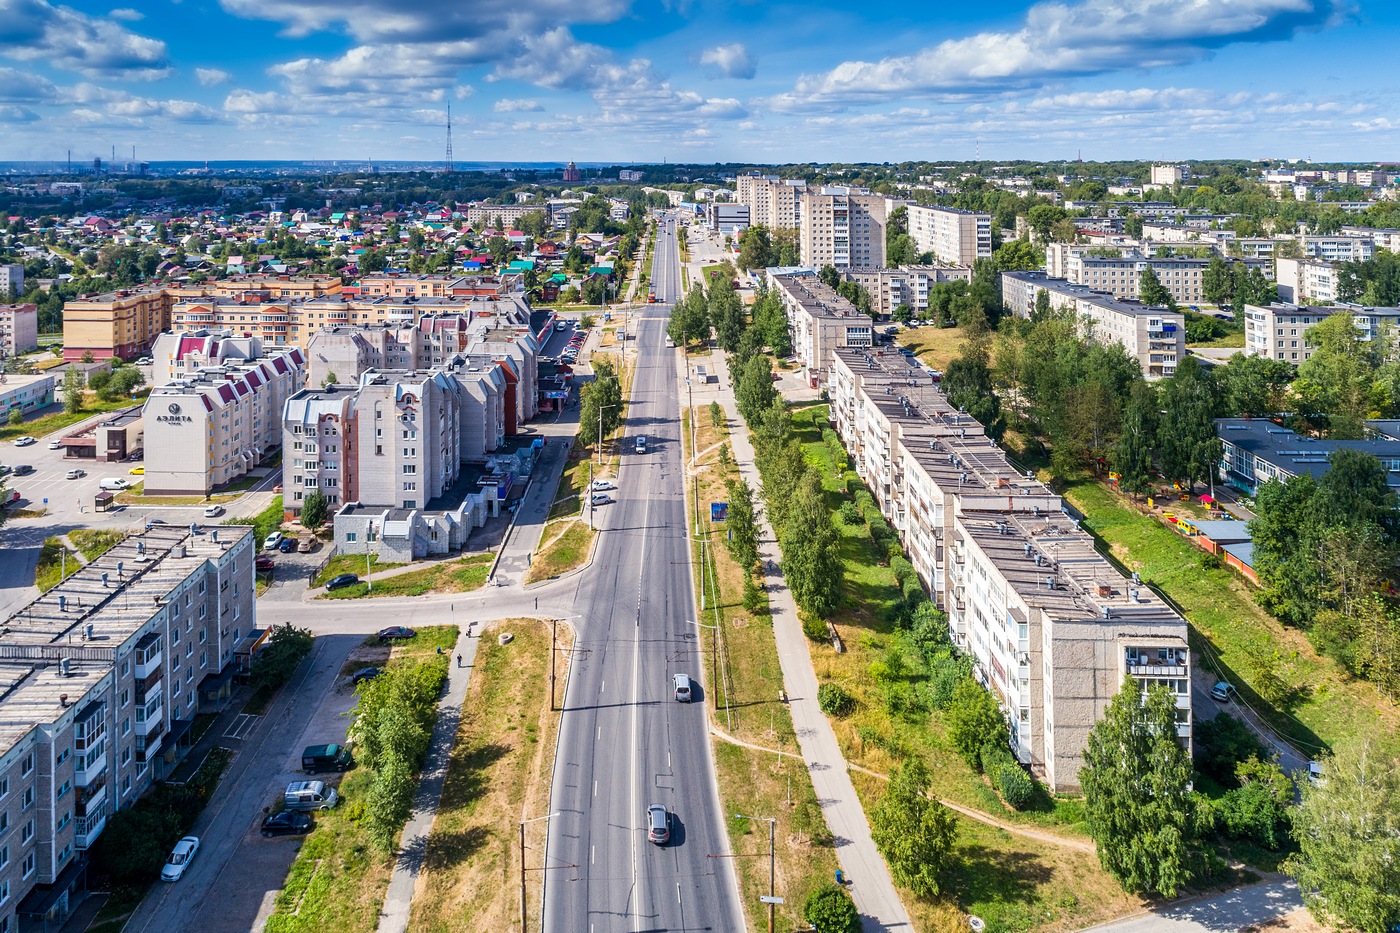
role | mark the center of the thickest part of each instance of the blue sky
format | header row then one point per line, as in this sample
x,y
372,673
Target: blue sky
x,y
699,81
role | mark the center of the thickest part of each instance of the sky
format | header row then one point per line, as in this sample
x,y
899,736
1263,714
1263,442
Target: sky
x,y
699,81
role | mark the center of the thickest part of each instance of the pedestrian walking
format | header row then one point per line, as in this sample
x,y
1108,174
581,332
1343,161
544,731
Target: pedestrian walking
x,y
459,660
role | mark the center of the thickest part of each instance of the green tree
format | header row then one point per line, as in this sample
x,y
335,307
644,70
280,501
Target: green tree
x,y
1132,455
913,832
743,525
726,312
1348,832
313,510
1042,305
1259,808
1186,436
1137,798
1252,288
754,392
73,386
600,399
1043,217
388,803
974,720
755,248
1218,282
829,909
1253,386
811,550
968,385
1338,382
277,660
15,418
1152,292
770,321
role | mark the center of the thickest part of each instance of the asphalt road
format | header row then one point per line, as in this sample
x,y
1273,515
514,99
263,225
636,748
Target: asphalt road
x,y
625,743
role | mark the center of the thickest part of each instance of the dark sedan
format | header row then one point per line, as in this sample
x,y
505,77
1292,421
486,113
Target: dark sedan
x,y
345,579
288,823
396,631
264,564
365,673
287,545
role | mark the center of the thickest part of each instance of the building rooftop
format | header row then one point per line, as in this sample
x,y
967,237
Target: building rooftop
x,y
1295,454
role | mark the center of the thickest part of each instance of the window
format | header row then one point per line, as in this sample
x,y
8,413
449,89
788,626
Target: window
x,y
4,856
126,726
29,863
4,786
5,896
27,765
63,789
26,799
27,833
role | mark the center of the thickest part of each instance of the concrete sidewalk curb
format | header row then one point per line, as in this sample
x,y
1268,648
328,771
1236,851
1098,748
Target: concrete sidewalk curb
x,y
573,571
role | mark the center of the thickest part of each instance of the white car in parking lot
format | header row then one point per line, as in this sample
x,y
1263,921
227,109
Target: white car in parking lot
x,y
24,441
272,541
76,474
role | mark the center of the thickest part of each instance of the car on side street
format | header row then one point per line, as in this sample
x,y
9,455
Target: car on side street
x,y
600,498
213,511
180,858
287,823
114,484
1223,692
137,471
23,469
24,441
55,445
308,543
602,485
287,545
395,633
342,581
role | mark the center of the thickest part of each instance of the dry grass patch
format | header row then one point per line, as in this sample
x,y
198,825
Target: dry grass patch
x,y
563,547
936,346
499,773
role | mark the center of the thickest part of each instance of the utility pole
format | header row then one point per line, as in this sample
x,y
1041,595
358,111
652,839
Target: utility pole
x,y
772,900
523,916
553,650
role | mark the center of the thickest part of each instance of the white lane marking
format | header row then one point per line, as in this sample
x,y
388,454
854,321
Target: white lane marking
x,y
601,687
636,726
600,733
595,788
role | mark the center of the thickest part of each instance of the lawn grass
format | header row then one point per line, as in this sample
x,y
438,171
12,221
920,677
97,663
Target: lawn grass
x,y
93,543
935,346
499,772
752,781
53,567
338,880
264,523
351,563
48,424
454,576
563,547
1329,705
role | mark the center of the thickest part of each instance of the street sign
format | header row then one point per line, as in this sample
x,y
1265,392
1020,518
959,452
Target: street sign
x,y
770,900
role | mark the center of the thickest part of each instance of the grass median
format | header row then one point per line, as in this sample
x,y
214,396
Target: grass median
x,y
452,576
751,780
499,772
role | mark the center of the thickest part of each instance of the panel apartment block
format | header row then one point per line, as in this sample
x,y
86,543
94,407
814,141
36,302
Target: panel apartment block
x,y
100,681
19,328
819,320
1279,331
842,227
954,236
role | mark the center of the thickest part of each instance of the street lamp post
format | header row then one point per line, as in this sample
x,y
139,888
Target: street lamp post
x,y
369,533
714,657
523,915
772,898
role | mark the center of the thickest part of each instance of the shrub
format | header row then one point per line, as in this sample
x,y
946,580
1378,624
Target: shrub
x,y
1222,743
829,909
834,700
278,660
849,514
948,672
815,629
754,600
974,720
1016,786
993,757
903,570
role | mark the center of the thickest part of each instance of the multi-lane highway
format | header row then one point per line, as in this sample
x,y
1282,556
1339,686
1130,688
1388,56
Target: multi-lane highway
x,y
625,743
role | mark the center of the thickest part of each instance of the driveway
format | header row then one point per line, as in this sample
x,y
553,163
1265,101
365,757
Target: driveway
x,y
1222,913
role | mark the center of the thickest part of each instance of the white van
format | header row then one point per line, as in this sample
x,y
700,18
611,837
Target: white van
x,y
115,484
310,795
683,688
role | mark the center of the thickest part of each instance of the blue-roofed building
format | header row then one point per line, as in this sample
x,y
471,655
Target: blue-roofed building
x,y
1258,451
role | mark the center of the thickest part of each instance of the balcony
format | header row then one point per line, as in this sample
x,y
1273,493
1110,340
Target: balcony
x,y
90,768
92,800
148,655
153,723
148,745
89,828
148,686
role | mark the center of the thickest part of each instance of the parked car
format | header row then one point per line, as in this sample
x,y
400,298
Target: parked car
x,y
144,361
396,632
264,564
561,325
213,511
75,474
658,824
599,485
11,499
1223,692
137,471
310,795
287,823
365,673
55,445
1315,777
272,540
287,545
600,498
308,543
4,470
23,469
180,858
344,580
330,757
24,441
114,484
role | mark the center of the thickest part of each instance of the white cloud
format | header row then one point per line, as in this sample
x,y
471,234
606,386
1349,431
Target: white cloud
x,y
11,113
425,20
516,105
1067,39
36,30
209,77
24,87
730,61
127,14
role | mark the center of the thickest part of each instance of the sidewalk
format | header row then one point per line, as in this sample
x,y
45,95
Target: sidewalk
x,y
398,900
870,884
